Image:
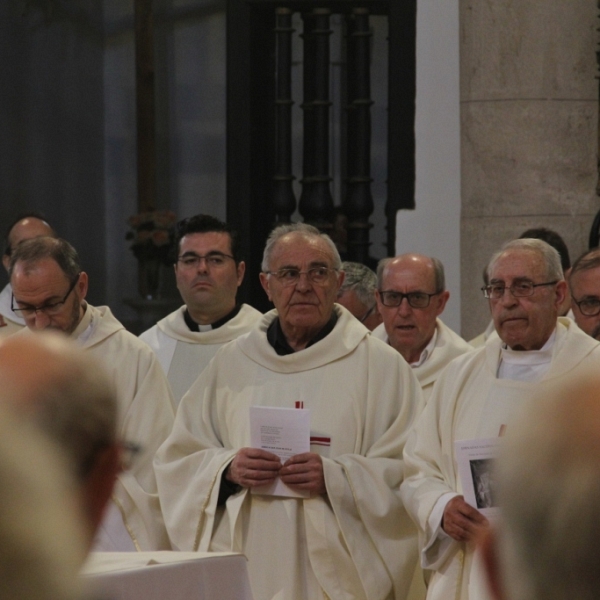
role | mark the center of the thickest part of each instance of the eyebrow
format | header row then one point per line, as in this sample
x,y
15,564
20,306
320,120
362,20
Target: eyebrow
x,y
209,253
310,266
50,300
515,280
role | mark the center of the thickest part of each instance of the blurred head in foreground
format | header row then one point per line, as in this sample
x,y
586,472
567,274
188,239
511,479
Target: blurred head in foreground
x,y
46,379
41,537
545,545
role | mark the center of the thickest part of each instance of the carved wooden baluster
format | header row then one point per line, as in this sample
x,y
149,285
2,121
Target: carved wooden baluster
x,y
316,202
359,200
284,201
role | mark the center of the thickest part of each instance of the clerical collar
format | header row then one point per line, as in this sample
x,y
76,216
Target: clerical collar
x,y
276,337
530,357
526,365
427,351
193,326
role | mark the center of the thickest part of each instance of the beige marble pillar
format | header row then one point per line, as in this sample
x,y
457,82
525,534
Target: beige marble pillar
x,y
529,130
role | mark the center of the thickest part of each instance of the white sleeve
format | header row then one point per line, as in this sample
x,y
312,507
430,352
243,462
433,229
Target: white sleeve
x,y
437,546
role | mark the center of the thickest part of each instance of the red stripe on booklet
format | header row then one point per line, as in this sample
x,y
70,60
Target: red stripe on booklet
x,y
320,441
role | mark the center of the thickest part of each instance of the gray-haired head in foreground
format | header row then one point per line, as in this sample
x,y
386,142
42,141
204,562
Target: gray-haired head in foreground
x,y
548,484
307,231
63,391
361,280
42,540
60,251
547,253
438,272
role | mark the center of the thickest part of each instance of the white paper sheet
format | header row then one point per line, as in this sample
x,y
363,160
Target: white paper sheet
x,y
475,461
284,432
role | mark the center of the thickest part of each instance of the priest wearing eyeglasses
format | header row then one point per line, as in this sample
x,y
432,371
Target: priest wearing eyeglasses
x,y
49,290
411,296
477,396
349,536
584,284
208,271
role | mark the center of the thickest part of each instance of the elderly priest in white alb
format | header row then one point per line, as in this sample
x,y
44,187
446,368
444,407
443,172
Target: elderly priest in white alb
x,y
351,537
476,397
49,291
208,273
411,296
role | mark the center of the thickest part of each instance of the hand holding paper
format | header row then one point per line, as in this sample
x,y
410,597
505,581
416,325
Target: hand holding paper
x,y
461,521
253,466
304,472
285,432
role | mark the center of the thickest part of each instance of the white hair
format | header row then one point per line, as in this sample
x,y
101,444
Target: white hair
x,y
306,231
41,534
71,397
360,279
545,251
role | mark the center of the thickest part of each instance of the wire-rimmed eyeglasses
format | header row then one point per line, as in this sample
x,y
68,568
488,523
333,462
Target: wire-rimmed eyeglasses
x,y
291,276
190,260
519,289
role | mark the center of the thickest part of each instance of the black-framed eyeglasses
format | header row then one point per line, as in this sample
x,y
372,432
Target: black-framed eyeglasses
x,y
519,289
291,276
50,308
213,259
392,298
589,305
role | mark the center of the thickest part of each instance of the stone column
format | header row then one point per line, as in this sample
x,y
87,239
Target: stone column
x,y
529,130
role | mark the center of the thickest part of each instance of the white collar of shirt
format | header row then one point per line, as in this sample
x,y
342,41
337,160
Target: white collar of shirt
x,y
85,328
427,352
526,365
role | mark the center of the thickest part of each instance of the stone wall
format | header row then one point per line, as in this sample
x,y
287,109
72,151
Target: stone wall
x,y
529,130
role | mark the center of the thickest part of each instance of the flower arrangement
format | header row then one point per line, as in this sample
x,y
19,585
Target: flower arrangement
x,y
152,235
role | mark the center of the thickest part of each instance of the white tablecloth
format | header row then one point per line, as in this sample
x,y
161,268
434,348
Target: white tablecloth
x,y
168,575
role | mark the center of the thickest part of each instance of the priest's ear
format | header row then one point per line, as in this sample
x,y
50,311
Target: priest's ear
x,y
264,281
489,555
82,285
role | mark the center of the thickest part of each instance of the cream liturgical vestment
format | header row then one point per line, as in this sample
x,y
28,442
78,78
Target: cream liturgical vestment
x,y
354,542
145,418
448,345
184,354
469,402
9,322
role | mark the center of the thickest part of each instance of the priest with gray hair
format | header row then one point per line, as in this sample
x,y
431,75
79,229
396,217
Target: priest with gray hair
x,y
326,521
477,397
357,293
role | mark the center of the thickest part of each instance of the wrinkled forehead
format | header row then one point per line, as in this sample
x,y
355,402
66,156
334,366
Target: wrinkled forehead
x,y
518,264
38,270
297,250
585,283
